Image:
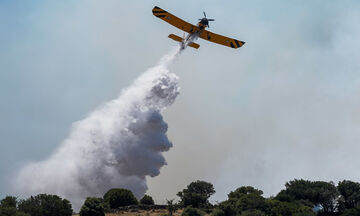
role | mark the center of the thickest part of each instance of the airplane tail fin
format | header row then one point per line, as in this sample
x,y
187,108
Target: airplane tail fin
x,y
181,40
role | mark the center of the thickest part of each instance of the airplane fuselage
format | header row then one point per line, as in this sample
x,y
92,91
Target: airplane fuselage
x,y
196,32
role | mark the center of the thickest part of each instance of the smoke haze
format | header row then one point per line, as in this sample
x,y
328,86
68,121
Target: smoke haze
x,y
284,106
117,145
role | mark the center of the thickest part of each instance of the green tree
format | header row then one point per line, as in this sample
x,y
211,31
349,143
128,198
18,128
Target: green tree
x,y
43,204
228,207
350,195
352,212
11,211
317,192
196,194
21,214
243,199
171,206
8,207
217,212
252,212
325,194
93,207
7,211
118,197
276,208
190,211
9,201
147,200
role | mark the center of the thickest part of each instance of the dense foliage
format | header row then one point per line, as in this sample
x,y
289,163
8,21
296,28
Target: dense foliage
x,y
147,200
93,207
171,206
44,204
118,197
298,198
190,211
196,194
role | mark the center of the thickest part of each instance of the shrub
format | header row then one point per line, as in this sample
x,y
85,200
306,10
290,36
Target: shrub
x,y
118,197
218,212
252,212
196,194
21,214
147,200
352,212
43,204
7,211
9,201
171,206
92,207
190,211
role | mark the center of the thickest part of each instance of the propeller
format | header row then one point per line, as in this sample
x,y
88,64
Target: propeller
x,y
206,19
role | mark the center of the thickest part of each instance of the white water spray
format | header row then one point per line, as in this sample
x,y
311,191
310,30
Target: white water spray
x,y
117,145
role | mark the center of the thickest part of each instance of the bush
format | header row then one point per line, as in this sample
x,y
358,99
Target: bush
x,y
317,192
118,197
218,212
21,214
352,212
9,201
190,211
252,212
275,207
7,211
93,207
147,200
196,194
43,204
171,206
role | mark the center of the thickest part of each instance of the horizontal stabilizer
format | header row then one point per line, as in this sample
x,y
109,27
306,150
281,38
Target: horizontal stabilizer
x,y
194,45
175,38
179,39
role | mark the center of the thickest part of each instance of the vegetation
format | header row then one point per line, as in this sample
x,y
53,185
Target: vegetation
x,y
147,200
44,204
190,211
218,212
171,206
118,197
298,198
196,194
93,207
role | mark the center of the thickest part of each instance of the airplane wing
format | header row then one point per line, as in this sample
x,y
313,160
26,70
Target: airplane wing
x,y
219,39
173,20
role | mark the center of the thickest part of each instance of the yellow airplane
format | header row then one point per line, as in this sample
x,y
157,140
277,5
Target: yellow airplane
x,y
195,31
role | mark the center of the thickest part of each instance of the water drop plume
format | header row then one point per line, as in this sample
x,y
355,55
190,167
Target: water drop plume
x,y
115,146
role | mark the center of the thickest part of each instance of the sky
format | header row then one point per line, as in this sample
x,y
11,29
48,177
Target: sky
x,y
283,106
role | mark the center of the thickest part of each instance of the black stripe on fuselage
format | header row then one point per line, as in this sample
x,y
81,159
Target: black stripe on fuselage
x,y
232,45
160,16
237,43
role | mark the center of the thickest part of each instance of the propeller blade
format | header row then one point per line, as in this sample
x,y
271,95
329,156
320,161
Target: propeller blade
x,y
204,14
211,20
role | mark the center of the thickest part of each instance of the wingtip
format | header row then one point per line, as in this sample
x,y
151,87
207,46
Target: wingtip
x,y
156,7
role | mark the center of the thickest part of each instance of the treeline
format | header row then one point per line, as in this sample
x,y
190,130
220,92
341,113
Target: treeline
x,y
299,198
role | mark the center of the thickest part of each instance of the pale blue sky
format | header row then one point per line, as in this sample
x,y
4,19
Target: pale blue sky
x,y
283,106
